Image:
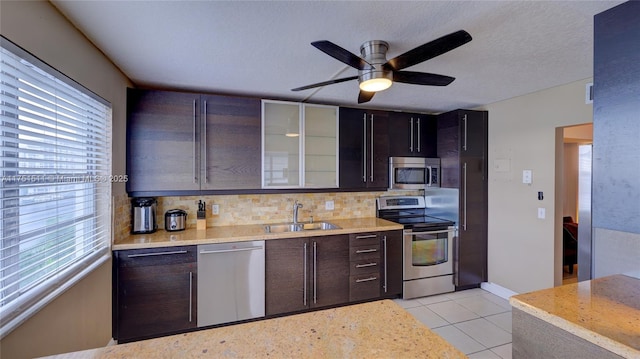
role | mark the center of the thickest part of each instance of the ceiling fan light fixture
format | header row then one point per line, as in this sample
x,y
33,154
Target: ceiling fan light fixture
x,y
375,84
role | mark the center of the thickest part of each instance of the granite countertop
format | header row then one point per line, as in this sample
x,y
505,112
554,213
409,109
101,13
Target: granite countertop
x,y
380,329
603,311
252,232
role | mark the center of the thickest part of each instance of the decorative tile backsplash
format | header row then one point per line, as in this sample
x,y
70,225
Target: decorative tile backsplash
x,y
257,208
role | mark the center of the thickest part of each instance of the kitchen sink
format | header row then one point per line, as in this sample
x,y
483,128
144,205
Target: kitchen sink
x,y
319,225
297,227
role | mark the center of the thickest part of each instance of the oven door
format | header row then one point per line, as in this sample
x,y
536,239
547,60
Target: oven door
x,y
428,253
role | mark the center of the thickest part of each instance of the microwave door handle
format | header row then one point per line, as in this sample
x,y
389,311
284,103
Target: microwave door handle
x,y
427,173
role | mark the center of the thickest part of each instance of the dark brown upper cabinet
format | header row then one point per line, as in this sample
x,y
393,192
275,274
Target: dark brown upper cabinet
x,y
412,135
183,143
364,149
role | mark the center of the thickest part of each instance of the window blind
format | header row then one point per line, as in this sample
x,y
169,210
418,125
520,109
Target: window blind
x,y
55,186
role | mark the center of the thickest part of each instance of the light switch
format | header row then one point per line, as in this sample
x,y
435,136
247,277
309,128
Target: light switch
x,y
541,213
527,176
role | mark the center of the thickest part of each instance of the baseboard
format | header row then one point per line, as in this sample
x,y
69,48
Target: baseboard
x,y
498,290
112,342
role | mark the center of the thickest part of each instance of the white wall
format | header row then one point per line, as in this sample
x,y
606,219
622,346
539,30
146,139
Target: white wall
x,y
522,134
80,318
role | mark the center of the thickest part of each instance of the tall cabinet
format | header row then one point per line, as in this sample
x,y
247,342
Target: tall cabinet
x,y
462,148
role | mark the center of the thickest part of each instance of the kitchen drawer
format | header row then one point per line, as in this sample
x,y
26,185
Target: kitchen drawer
x,y
366,266
364,252
363,239
365,286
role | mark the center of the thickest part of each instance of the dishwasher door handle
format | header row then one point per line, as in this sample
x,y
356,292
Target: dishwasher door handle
x,y
231,250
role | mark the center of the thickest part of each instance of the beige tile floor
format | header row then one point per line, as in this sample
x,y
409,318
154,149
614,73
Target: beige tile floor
x,y
475,321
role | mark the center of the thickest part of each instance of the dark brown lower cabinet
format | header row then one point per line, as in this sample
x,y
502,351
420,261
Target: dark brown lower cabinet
x,y
392,261
315,272
154,292
366,267
305,273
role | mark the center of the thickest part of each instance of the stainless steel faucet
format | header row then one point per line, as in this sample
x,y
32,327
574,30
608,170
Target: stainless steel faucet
x,y
296,205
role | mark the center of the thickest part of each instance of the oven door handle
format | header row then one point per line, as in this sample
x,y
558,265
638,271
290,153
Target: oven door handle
x,y
430,232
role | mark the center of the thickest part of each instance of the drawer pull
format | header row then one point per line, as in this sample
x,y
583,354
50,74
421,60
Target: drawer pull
x,y
366,279
368,236
366,250
373,264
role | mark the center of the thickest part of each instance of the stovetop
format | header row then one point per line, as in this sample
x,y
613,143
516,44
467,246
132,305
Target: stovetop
x,y
409,211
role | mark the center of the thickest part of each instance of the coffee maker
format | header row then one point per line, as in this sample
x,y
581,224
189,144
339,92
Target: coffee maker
x,y
143,215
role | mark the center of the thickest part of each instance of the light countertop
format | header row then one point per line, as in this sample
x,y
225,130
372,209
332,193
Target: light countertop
x,y
253,232
380,329
603,311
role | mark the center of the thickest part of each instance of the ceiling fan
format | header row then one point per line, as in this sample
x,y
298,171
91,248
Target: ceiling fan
x,y
375,73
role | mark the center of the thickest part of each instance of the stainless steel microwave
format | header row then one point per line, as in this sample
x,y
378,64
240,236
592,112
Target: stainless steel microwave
x,y
413,172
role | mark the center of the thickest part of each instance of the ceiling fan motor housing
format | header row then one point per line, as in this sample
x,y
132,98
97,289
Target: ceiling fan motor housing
x,y
375,53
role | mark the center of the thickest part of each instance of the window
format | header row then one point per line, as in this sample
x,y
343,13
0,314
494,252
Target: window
x,y
55,186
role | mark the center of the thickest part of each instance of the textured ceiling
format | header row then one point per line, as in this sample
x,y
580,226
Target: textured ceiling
x,y
262,48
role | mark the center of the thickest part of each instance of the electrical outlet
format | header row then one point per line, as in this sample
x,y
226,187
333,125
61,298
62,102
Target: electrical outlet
x,y
329,206
215,209
527,176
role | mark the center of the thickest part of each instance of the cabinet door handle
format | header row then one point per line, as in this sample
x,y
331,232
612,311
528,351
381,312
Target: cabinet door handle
x,y
364,148
464,120
372,264
304,282
315,273
384,243
418,134
367,236
154,254
195,120
360,251
366,279
371,155
411,135
190,296
204,163
464,205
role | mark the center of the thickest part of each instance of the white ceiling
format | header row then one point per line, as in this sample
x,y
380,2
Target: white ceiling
x,y
262,48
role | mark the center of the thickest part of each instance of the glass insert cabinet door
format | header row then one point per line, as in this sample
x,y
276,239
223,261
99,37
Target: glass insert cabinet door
x,y
281,124
299,145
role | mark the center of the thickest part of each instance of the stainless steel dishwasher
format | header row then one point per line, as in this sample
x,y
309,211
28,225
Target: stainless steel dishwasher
x,y
230,282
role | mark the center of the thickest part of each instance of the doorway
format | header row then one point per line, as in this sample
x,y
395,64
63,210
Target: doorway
x,y
573,204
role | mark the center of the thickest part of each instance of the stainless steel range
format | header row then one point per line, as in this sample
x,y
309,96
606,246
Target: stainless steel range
x,y
427,245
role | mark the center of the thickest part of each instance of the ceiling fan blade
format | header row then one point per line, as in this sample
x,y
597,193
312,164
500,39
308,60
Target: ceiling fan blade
x,y
429,50
365,96
341,54
422,78
324,83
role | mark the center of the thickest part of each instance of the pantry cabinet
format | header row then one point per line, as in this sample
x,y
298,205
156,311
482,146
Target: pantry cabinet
x,y
462,148
185,143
